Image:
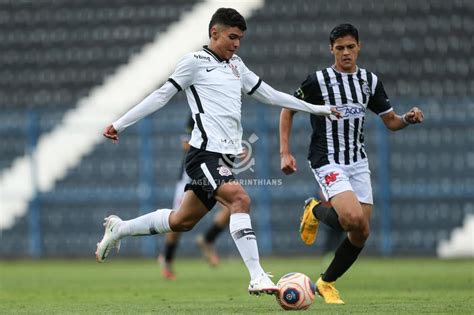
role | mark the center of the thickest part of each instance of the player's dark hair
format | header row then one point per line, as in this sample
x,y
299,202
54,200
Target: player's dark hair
x,y
229,17
343,30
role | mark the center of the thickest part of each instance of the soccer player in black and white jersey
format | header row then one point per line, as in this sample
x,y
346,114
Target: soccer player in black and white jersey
x,y
213,79
337,155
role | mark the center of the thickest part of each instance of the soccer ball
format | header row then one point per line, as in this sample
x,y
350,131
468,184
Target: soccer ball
x,y
296,291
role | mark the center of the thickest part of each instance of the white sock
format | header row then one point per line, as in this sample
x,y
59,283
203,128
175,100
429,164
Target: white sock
x,y
246,242
151,223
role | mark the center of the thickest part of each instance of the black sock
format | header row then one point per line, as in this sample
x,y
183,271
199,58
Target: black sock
x,y
346,254
333,239
212,233
328,216
170,250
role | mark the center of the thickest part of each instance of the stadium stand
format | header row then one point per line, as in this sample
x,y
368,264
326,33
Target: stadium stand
x,y
54,52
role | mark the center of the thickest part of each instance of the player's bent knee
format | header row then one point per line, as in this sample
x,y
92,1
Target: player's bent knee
x,y
360,237
240,202
364,233
183,227
353,222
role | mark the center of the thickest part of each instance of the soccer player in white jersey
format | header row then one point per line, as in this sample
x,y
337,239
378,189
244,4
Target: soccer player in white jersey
x,y
213,79
337,154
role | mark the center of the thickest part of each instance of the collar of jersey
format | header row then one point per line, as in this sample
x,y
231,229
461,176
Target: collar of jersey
x,y
355,72
213,54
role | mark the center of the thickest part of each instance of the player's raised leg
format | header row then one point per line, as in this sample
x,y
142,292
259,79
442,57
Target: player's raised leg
x,y
116,229
157,222
233,196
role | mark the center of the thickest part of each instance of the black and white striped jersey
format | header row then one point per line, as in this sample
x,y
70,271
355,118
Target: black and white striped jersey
x,y
341,141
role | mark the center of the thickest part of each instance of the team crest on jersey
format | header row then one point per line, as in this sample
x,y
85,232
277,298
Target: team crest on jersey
x,y
235,71
224,171
366,88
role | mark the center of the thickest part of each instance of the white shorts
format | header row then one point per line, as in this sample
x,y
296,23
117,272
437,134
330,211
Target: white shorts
x,y
337,178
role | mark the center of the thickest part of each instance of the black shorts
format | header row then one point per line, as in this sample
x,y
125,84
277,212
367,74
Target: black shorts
x,y
208,170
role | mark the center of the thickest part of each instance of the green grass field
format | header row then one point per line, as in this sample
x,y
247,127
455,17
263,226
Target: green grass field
x,y
373,285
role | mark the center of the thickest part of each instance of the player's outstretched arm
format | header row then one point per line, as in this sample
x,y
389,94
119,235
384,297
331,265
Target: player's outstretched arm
x,y
395,122
268,95
150,104
288,162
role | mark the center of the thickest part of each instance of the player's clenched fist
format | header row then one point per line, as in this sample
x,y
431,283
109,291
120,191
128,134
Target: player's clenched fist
x,y
111,133
288,164
413,116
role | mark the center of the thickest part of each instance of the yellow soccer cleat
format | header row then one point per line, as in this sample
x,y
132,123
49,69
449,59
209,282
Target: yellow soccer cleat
x,y
309,223
328,291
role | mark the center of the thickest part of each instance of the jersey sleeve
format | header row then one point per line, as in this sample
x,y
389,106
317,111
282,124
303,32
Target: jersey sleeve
x,y
250,81
183,75
379,102
151,103
310,91
268,95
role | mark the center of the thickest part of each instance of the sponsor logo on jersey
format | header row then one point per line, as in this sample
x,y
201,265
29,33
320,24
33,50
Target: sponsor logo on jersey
x,y
349,111
353,111
207,58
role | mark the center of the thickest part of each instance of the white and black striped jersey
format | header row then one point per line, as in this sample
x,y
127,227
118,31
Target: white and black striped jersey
x,y
341,141
213,88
